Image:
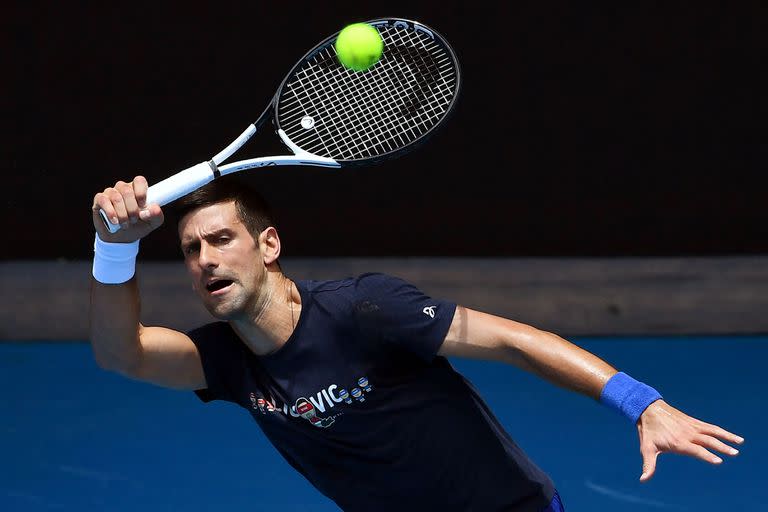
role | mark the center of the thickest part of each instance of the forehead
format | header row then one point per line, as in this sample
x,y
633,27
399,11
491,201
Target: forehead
x,y
209,218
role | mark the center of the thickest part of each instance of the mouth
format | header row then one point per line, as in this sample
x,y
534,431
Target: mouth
x,y
219,286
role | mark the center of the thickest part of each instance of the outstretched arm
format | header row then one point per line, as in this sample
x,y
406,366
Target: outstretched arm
x,y
662,428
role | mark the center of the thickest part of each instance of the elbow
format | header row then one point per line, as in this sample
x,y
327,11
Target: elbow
x,y
104,361
123,364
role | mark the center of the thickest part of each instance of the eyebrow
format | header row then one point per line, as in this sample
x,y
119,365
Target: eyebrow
x,y
187,242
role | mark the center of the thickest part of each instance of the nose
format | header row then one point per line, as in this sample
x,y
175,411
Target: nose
x,y
207,256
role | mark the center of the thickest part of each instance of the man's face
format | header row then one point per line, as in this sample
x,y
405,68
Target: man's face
x,y
223,258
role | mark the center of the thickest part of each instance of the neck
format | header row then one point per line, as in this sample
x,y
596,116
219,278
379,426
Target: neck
x,y
273,319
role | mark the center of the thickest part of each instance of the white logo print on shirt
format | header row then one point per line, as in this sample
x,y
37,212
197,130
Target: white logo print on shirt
x,y
312,406
429,311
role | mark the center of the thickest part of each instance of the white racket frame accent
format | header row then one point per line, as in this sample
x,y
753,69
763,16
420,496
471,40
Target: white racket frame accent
x,y
192,178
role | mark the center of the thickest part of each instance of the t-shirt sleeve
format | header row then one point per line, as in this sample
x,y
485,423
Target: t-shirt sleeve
x,y
397,312
222,359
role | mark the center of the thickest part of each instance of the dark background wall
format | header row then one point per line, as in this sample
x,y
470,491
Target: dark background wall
x,y
581,131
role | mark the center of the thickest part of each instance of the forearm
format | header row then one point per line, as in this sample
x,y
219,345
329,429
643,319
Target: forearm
x,y
483,336
560,362
115,331
114,324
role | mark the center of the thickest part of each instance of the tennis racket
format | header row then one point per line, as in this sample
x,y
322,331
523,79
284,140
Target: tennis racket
x,y
331,116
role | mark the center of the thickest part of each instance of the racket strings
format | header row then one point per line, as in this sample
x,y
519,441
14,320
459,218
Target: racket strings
x,y
353,112
422,57
382,122
387,121
396,72
378,124
340,118
358,115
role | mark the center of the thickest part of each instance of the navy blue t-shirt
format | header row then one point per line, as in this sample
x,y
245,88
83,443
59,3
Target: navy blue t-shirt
x,y
359,403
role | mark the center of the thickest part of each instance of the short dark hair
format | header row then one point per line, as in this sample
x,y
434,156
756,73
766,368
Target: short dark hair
x,y
252,209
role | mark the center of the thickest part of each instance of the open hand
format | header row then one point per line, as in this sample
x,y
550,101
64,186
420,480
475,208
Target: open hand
x,y
664,429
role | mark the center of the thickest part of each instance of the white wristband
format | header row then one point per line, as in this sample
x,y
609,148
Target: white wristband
x,y
114,263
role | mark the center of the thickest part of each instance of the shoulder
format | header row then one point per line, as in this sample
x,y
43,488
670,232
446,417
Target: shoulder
x,y
363,285
208,330
347,296
376,284
216,336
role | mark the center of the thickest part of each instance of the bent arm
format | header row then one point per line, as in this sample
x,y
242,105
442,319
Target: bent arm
x,y
120,343
478,335
157,355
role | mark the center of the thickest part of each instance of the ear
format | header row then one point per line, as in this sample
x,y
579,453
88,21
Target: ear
x,y
269,245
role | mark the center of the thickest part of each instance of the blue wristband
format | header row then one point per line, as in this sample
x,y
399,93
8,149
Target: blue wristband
x,y
624,394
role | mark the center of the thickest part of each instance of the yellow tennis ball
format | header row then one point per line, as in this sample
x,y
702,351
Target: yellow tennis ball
x,y
359,46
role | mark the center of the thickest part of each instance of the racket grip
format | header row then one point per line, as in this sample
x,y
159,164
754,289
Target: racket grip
x,y
172,188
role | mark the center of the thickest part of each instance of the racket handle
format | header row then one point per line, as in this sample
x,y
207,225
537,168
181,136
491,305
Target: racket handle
x,y
170,189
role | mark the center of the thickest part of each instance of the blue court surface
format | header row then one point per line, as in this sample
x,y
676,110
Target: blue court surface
x,y
75,437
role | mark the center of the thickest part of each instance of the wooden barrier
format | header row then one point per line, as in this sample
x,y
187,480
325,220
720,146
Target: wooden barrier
x,y
627,296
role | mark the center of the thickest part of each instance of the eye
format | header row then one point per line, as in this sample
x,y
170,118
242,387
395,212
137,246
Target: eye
x,y
223,240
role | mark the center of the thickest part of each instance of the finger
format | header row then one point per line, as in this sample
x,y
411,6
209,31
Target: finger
x,y
714,430
102,202
140,191
129,200
153,215
649,464
715,444
119,205
699,452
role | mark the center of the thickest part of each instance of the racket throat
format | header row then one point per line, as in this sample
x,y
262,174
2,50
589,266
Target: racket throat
x,y
293,147
299,157
306,158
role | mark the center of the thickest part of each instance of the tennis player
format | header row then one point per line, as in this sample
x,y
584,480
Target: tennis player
x,y
348,378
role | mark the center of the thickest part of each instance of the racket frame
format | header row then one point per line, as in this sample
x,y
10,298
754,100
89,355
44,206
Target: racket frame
x,y
396,23
199,175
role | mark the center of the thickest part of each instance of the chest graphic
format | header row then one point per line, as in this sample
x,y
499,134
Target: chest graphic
x,y
307,411
262,405
315,408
